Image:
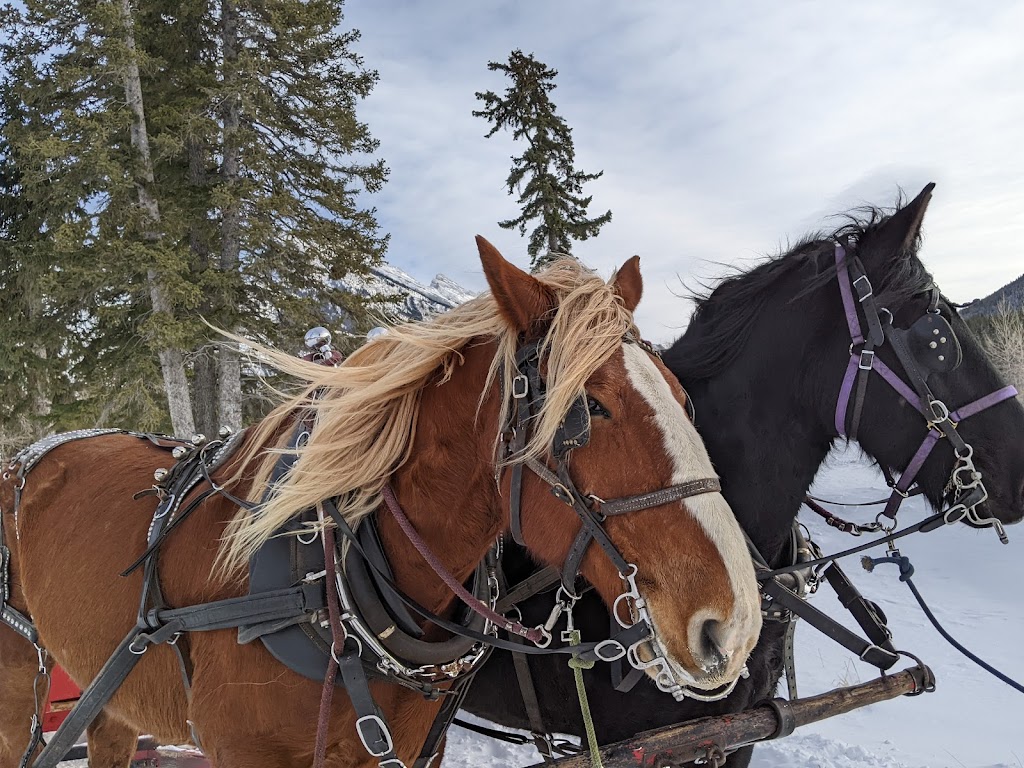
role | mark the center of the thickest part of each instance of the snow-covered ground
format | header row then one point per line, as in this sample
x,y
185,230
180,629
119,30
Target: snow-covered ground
x,y
974,585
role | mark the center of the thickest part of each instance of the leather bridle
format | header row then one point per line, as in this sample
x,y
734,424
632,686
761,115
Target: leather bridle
x,y
929,346
528,396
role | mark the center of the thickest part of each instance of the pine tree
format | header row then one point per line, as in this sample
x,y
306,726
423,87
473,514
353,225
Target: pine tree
x,y
256,165
69,135
295,161
549,185
26,393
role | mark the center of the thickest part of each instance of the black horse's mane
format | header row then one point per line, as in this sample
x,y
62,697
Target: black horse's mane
x,y
725,313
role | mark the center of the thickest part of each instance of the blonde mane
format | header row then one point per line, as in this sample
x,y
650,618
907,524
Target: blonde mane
x,y
366,414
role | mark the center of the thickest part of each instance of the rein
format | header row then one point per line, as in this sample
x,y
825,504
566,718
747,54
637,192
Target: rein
x,y
533,635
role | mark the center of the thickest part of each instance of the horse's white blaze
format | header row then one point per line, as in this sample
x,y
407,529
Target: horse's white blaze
x,y
691,462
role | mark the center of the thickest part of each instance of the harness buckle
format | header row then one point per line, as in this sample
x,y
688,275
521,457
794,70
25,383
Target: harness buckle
x,y
616,650
520,386
562,493
940,412
867,359
866,292
373,732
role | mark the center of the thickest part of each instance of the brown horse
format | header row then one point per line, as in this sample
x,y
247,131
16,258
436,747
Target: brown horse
x,y
418,409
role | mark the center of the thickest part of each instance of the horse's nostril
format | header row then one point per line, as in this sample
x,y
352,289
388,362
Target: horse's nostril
x,y
713,658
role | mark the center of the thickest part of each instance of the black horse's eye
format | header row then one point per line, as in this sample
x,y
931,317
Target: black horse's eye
x,y
596,409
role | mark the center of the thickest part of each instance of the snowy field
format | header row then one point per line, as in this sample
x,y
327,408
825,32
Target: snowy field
x,y
973,584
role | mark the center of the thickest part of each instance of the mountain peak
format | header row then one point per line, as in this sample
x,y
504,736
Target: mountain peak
x,y
1011,295
415,300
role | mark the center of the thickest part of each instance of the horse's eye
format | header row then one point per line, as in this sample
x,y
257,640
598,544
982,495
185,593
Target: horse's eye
x,y
596,409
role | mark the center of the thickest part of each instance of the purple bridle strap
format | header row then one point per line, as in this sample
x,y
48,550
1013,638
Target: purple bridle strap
x,y
907,478
910,473
853,323
533,635
843,403
905,390
846,290
982,403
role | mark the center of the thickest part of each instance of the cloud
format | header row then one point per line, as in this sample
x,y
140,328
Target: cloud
x,y
724,129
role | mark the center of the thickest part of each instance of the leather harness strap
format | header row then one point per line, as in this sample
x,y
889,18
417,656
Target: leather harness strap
x,y
9,615
531,703
534,584
869,652
789,659
162,626
868,615
659,497
451,703
941,423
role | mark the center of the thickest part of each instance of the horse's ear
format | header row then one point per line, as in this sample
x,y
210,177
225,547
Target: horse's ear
x,y
628,283
898,235
522,299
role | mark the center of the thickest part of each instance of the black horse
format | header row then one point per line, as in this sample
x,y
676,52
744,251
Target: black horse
x,y
764,360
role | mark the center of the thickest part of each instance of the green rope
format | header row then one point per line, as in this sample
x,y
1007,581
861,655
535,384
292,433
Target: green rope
x,y
578,665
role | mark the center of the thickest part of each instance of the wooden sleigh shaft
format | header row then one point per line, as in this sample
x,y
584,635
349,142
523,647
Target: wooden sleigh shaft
x,y
695,740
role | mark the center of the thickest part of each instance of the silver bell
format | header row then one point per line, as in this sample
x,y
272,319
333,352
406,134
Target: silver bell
x,y
374,333
317,337
198,439
225,431
160,474
179,452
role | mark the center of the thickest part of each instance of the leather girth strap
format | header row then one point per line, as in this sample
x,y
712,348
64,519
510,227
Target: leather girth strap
x,y
789,658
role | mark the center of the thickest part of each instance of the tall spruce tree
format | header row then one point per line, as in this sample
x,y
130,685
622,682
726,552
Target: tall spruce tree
x,y
549,185
294,164
257,165
27,333
73,142
172,363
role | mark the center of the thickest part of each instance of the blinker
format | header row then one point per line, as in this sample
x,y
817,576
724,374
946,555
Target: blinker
x,y
574,431
933,344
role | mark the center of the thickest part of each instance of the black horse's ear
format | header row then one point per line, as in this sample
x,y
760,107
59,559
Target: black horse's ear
x,y
899,233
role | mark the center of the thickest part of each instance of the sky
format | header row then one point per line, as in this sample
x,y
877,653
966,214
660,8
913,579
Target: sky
x,y
725,130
